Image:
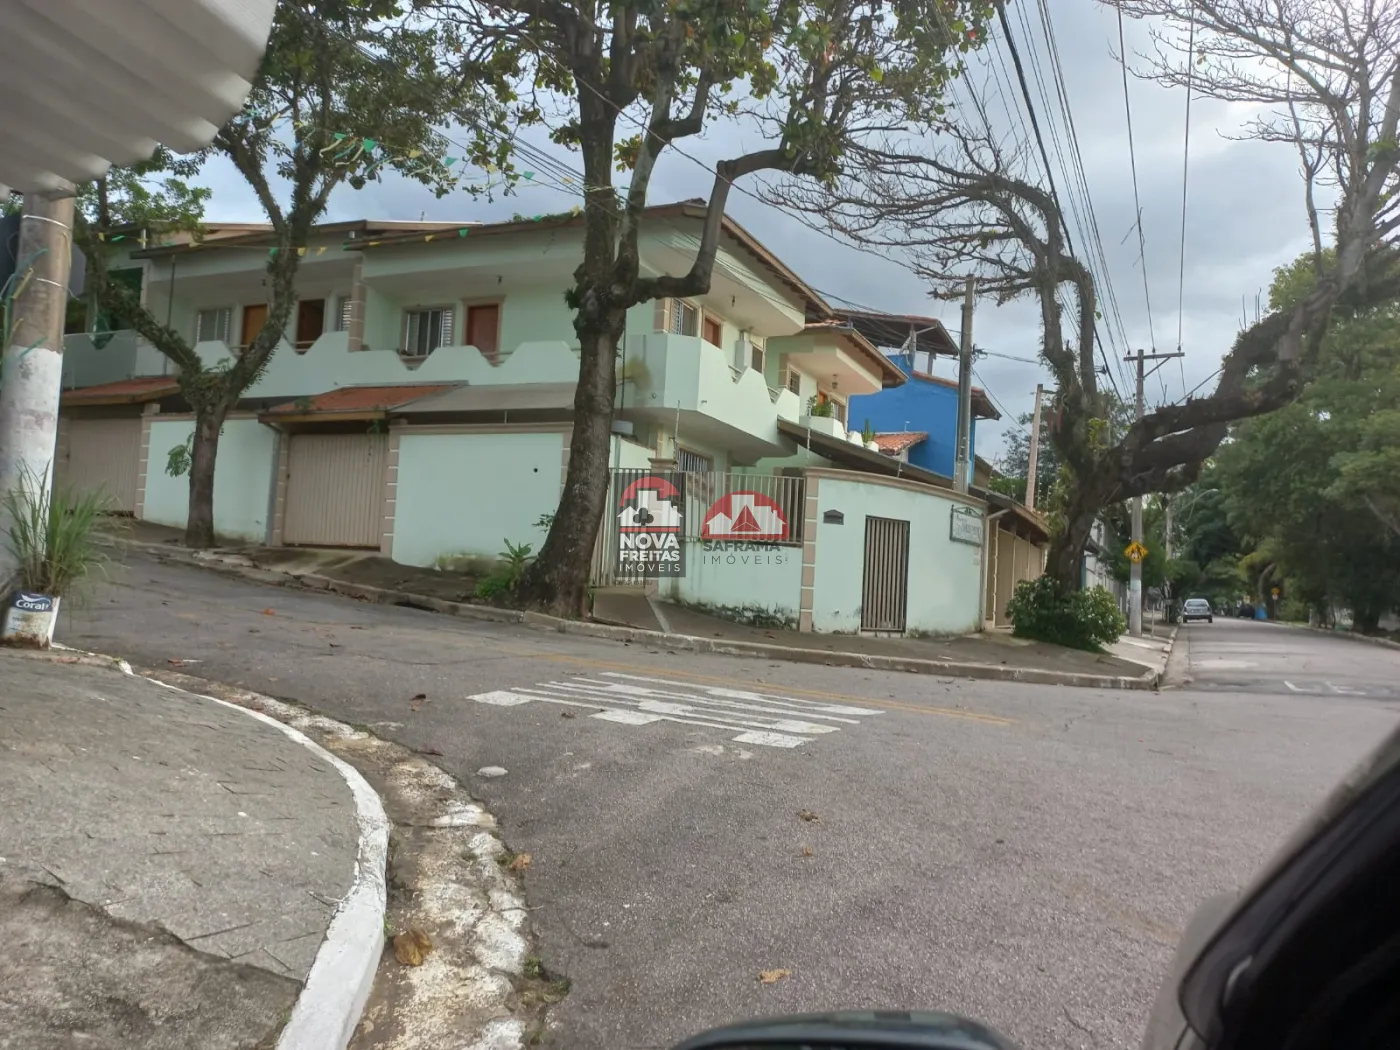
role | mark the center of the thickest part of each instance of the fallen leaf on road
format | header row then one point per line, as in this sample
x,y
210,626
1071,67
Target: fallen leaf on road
x,y
809,816
566,714
412,947
417,701
519,862
772,976
268,612
806,851
429,751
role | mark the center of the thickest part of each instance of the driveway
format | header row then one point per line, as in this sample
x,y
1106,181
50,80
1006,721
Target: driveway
x,y
1023,854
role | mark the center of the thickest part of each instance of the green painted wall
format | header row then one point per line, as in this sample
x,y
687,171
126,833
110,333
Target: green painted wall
x,y
944,576
469,493
242,478
535,314
629,455
770,580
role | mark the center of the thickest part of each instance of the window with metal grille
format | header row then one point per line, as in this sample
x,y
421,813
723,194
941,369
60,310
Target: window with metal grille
x,y
213,325
426,330
794,381
342,313
838,410
683,318
693,462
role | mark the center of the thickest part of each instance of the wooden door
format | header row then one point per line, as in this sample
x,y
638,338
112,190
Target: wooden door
x,y
714,332
311,322
254,317
484,330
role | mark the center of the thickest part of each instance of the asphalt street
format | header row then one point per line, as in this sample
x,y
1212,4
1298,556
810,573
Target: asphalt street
x,y
1244,656
1026,855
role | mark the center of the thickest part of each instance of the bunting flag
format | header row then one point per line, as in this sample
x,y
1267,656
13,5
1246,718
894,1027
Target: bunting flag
x,y
322,250
301,251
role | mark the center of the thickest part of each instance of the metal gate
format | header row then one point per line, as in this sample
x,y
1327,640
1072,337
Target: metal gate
x,y
335,489
605,572
102,455
884,593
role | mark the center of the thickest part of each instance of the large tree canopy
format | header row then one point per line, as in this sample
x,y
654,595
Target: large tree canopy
x,y
1304,486
340,81
1325,77
624,81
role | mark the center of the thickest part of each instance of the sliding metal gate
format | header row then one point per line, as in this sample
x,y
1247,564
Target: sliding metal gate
x,y
884,597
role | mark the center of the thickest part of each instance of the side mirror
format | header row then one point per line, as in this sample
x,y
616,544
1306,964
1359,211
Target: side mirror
x,y
853,1030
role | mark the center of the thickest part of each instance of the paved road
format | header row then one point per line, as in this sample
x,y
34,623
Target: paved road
x,y
1023,854
1246,656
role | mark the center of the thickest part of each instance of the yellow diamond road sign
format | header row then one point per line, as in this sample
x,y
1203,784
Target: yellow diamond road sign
x,y
1135,551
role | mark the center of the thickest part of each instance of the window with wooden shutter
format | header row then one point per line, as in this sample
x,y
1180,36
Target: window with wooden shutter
x,y
684,318
756,355
794,381
425,330
213,325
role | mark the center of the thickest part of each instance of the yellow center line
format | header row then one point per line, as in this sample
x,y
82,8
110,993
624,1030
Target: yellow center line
x,y
722,680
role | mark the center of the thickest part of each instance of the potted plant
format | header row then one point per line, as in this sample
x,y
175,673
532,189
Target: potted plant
x,y
819,407
55,537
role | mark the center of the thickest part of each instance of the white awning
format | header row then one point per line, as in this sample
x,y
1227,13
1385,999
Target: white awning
x,y
86,84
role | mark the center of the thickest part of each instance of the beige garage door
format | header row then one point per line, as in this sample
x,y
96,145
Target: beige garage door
x,y
101,454
335,489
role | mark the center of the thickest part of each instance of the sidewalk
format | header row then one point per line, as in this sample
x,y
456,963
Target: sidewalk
x,y
627,615
169,866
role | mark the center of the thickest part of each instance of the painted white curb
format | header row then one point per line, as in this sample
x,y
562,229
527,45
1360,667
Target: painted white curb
x,y
338,986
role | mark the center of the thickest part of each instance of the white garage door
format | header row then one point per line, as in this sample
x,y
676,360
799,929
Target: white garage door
x,y
101,454
335,489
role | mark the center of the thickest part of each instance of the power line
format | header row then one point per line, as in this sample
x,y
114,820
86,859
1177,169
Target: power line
x,y
1185,168
999,406
1044,155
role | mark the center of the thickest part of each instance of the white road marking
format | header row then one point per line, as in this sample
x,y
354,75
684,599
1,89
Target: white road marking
x,y
1294,687
768,719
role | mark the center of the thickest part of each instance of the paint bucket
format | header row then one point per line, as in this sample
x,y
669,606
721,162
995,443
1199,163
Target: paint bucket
x,y
29,620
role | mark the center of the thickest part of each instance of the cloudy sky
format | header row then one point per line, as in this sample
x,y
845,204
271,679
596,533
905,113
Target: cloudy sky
x,y
1244,213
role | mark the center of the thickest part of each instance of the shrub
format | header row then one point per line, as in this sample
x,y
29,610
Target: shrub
x,y
55,535
1042,610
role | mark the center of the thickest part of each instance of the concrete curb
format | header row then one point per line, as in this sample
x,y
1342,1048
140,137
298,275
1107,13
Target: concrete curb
x,y
690,643
339,983
1350,636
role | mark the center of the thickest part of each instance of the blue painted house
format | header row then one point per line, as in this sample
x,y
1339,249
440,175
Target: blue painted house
x,y
916,421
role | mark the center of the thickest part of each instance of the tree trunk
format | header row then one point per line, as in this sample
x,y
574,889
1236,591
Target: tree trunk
x,y
199,526
1065,561
557,582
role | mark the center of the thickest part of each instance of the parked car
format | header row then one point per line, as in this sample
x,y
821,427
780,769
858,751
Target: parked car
x,y
1245,611
1197,609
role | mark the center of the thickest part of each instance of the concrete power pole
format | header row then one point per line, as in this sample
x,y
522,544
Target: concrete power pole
x,y
1033,460
962,461
1135,578
31,371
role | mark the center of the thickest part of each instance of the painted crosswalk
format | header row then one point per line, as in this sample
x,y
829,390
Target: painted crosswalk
x,y
761,718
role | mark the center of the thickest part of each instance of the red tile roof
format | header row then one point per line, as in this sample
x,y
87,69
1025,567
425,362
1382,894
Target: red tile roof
x,y
123,391
897,442
357,400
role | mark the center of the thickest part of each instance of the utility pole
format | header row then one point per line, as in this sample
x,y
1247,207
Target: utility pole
x,y
31,369
962,461
1135,577
1033,460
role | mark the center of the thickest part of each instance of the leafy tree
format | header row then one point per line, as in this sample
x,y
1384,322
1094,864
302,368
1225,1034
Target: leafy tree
x,y
339,77
1322,79
1298,483
809,78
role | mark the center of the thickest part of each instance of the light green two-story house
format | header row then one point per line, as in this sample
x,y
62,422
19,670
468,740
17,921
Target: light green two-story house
x,y
422,405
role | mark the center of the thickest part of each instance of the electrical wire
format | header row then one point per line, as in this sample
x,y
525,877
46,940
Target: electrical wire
x,y
1185,169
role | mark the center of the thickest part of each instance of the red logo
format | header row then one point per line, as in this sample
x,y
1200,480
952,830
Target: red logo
x,y
750,517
